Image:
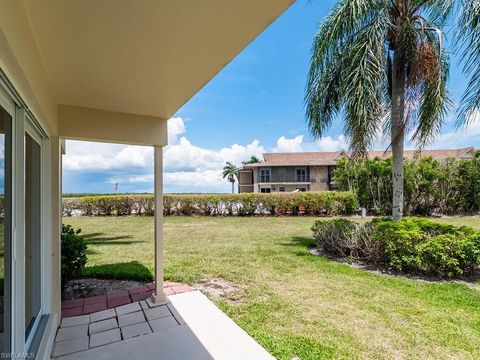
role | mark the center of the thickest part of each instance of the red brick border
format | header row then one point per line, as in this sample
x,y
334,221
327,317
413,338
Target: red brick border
x,y
116,298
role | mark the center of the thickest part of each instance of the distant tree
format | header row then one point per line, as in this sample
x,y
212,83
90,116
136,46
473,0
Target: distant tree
x,y
252,160
230,172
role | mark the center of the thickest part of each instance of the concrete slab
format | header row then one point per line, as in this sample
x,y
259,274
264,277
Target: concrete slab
x,y
72,332
135,330
70,346
129,308
103,325
105,337
177,343
130,319
103,315
204,333
163,323
75,321
216,331
157,312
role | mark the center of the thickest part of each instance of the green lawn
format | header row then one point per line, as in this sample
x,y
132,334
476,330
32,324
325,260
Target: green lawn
x,y
293,303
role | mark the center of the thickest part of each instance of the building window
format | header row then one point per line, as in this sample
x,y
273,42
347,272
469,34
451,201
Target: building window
x,y
281,189
264,175
301,175
302,189
265,190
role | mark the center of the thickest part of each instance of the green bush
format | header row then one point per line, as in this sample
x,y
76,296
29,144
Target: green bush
x,y
74,255
424,246
248,204
413,245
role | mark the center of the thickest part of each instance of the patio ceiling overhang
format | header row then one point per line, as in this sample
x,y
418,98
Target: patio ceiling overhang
x,y
142,57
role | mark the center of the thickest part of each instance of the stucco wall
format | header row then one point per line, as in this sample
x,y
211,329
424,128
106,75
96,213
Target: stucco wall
x,y
319,178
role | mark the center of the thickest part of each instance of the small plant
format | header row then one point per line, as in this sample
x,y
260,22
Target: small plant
x,y
74,255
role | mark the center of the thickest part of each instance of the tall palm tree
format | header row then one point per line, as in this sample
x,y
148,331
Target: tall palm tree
x,y
469,36
230,172
380,64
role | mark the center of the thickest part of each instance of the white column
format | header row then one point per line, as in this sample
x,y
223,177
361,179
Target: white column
x,y
159,296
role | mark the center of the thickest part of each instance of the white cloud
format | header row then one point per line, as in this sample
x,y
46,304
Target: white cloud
x,y
289,145
176,127
328,143
190,168
468,136
186,167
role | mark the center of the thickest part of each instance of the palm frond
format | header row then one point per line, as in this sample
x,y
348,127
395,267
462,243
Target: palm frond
x,y
469,37
365,85
350,33
435,103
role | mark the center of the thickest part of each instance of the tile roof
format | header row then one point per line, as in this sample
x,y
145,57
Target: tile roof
x,y
436,154
301,158
330,157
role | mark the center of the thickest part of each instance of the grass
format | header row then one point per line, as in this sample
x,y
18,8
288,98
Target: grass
x,y
293,303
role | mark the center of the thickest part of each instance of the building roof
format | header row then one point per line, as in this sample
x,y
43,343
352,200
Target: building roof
x,y
436,154
330,157
300,158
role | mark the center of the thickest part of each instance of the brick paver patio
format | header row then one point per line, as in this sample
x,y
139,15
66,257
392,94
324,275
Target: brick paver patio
x,y
98,303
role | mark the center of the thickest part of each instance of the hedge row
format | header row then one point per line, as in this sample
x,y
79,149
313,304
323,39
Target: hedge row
x,y
308,203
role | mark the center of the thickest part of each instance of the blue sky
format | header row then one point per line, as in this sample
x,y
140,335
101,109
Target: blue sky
x,y
254,104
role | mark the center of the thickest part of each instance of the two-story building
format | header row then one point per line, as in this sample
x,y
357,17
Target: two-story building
x,y
287,172
313,171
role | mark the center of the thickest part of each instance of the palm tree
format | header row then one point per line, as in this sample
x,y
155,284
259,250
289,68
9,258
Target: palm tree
x,y
380,64
469,38
253,160
230,172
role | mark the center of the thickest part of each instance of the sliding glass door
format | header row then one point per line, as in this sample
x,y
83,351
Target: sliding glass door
x,y
33,270
5,229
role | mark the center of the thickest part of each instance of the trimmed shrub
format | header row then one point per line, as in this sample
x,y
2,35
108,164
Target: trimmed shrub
x,y
74,255
413,245
308,203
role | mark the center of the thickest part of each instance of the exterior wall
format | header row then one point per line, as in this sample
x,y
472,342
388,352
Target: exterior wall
x,y
20,59
108,126
246,189
245,177
319,178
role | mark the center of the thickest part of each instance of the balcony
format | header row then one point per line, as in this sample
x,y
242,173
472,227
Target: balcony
x,y
284,179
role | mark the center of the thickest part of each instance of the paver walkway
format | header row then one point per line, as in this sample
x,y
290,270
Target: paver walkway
x,y
83,332
85,306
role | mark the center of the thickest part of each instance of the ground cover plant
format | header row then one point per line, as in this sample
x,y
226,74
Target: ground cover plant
x,y
294,303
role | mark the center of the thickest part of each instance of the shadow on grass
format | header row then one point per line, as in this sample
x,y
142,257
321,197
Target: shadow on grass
x,y
100,239
132,270
304,241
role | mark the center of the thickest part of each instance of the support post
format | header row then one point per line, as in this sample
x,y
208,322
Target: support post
x,y
158,296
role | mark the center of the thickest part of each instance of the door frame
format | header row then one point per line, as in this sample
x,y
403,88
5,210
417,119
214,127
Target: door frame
x,y
8,105
23,121
31,128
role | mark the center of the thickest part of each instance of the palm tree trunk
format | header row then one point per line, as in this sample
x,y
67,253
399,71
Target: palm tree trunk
x,y
398,134
233,187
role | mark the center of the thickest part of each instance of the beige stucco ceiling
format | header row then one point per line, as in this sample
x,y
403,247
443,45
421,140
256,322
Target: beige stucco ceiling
x,y
144,56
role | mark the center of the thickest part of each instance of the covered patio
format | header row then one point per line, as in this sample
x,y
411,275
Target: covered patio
x,y
189,326
107,71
